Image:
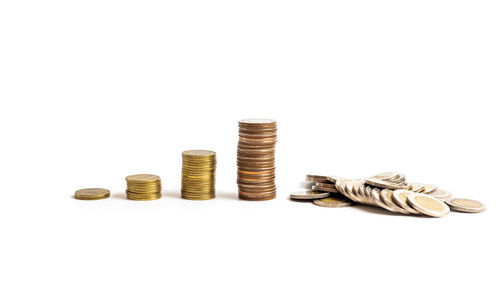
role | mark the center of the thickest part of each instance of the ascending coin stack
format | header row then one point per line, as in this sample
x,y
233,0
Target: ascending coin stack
x,y
143,187
198,174
256,168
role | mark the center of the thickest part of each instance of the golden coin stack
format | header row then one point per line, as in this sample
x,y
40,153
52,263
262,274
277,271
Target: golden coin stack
x,y
256,169
198,174
143,187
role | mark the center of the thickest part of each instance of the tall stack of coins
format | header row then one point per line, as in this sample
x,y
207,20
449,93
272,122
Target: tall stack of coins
x,y
198,174
143,187
256,167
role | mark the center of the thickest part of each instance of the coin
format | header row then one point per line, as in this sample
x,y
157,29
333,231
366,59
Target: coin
x,y
416,187
378,200
386,197
92,193
317,187
317,178
429,188
383,184
332,179
441,194
333,202
466,205
385,175
400,197
428,205
308,195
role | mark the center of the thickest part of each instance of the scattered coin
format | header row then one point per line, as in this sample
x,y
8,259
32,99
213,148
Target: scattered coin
x,y
389,191
429,188
466,205
386,196
416,187
308,195
428,205
400,197
318,187
317,178
333,202
92,193
332,179
383,184
441,194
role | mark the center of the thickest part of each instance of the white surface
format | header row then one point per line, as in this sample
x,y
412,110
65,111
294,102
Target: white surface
x,y
92,91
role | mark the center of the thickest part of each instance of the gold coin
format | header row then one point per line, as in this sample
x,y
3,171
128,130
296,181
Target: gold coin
x,y
92,193
142,178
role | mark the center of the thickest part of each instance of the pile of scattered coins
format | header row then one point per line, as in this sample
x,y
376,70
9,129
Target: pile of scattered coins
x,y
255,161
389,191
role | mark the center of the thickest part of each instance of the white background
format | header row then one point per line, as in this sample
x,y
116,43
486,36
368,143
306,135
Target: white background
x,y
92,91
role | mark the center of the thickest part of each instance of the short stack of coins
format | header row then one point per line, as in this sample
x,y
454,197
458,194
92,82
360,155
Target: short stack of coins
x,y
198,174
143,187
256,168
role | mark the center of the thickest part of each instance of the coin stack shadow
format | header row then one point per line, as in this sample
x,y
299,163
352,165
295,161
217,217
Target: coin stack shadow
x,y
143,187
255,160
198,174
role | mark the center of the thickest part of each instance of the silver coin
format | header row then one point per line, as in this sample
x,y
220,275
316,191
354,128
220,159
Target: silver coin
x,y
318,187
368,195
348,186
385,176
441,194
428,205
378,201
317,178
383,184
429,188
329,185
308,195
332,179
466,205
386,196
416,187
358,191
400,197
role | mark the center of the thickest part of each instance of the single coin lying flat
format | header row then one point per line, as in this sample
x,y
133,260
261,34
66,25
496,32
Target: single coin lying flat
x,y
309,195
92,194
441,194
466,205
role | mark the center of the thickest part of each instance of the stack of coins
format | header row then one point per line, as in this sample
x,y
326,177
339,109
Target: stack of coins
x,y
143,187
198,174
256,169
